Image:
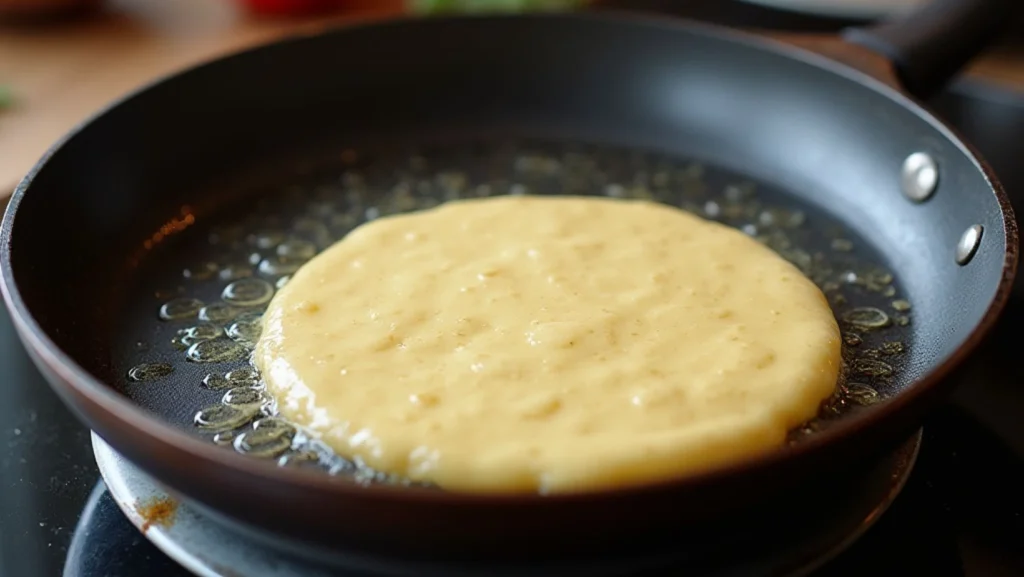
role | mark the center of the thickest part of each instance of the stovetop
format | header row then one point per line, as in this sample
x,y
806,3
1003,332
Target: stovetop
x,y
960,514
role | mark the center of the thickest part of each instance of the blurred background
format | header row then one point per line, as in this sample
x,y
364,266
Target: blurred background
x,y
62,60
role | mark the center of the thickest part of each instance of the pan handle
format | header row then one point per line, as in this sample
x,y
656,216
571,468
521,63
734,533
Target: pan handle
x,y
928,46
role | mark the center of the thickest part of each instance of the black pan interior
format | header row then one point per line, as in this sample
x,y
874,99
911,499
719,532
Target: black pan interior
x,y
197,151
259,237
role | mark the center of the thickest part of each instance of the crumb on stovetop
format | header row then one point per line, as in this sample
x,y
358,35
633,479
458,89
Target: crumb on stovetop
x,y
157,511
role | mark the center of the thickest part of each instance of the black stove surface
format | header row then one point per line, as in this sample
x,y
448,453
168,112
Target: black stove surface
x,y
960,514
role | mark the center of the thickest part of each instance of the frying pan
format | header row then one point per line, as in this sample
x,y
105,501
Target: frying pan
x,y
120,208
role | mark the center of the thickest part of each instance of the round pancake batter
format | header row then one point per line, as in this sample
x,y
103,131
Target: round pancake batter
x,y
548,344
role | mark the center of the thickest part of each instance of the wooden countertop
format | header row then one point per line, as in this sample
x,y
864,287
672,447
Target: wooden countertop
x,y
61,75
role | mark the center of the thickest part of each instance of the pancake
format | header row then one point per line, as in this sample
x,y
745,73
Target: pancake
x,y
548,344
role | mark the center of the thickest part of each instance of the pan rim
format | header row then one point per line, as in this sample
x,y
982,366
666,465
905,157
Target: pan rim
x,y
75,379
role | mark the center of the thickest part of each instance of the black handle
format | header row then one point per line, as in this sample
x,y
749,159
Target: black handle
x,y
928,46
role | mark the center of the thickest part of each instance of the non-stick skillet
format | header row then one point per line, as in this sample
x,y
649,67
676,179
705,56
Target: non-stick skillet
x,y
133,202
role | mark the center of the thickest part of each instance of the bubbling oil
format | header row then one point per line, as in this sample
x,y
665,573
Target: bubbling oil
x,y
149,371
248,292
268,240
180,309
244,376
217,382
218,312
219,418
246,332
218,350
867,318
244,396
254,444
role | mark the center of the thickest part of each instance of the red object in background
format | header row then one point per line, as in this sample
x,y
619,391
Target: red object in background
x,y
296,7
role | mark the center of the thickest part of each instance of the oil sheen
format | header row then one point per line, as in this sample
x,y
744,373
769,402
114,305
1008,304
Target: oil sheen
x,y
548,344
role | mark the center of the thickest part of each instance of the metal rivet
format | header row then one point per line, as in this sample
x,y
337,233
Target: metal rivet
x,y
919,176
968,244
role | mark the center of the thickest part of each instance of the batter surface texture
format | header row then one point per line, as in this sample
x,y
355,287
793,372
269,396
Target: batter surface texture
x,y
548,344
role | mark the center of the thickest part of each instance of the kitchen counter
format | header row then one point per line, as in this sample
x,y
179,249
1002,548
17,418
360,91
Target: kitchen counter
x,y
61,75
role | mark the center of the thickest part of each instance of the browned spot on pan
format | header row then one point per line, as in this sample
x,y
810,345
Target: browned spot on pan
x,y
157,511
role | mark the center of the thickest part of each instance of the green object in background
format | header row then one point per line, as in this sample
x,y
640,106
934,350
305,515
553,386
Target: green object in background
x,y
471,6
6,96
